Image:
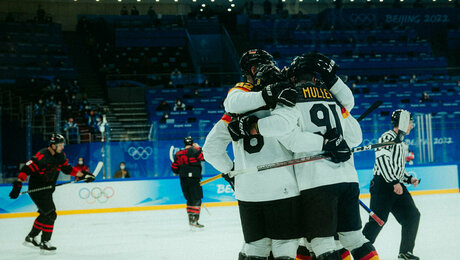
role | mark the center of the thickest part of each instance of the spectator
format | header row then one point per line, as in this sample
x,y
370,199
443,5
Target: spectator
x,y
413,79
164,118
40,14
410,157
425,98
75,87
179,105
134,10
279,7
195,94
267,7
249,8
163,106
39,108
122,172
151,13
71,130
124,10
81,165
205,83
91,117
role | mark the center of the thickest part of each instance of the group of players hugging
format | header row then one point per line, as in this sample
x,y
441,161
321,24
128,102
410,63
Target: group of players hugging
x,y
309,210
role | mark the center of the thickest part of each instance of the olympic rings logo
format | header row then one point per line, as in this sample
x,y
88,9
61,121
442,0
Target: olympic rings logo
x,y
96,194
140,152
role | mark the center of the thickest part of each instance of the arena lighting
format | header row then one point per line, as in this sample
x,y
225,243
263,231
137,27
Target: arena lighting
x,y
232,5
352,0
203,5
230,1
194,0
283,0
212,1
380,1
201,9
229,9
300,0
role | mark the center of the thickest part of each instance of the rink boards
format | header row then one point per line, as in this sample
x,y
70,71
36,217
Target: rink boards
x,y
152,194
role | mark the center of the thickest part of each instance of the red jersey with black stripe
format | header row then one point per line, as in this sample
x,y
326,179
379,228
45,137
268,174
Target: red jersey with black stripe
x,y
43,168
187,162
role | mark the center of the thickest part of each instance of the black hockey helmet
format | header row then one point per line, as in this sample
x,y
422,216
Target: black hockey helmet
x,y
56,139
395,117
267,74
300,65
188,140
254,57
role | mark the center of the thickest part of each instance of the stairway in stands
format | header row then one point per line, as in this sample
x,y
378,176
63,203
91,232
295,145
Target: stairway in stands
x,y
128,121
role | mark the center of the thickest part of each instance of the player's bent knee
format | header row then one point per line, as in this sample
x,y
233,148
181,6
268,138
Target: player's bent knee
x,y
352,239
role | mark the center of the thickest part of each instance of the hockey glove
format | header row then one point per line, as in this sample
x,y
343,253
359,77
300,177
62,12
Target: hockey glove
x,y
87,177
267,74
17,185
280,92
242,127
336,146
325,67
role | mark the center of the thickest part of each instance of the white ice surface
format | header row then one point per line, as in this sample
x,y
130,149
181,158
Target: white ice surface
x,y
164,234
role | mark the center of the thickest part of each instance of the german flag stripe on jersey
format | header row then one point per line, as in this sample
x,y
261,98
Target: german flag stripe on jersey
x,y
345,112
244,86
226,118
371,256
346,255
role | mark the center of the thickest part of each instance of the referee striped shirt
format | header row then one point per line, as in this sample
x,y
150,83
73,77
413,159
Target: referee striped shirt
x,y
390,161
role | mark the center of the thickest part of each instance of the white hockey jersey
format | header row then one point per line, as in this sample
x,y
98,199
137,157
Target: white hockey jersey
x,y
274,184
316,111
215,146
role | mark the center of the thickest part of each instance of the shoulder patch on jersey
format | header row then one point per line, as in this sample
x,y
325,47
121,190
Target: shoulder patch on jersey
x,y
245,86
226,118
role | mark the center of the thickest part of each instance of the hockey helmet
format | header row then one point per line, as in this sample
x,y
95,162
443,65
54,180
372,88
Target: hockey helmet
x,y
265,75
254,57
300,65
56,139
395,117
188,140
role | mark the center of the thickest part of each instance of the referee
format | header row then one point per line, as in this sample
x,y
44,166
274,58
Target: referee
x,y
389,195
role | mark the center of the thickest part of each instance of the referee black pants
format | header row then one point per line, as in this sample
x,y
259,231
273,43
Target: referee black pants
x,y
385,201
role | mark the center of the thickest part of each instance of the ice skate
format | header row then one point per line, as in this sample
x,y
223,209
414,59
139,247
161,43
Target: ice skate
x,y
32,242
46,248
407,256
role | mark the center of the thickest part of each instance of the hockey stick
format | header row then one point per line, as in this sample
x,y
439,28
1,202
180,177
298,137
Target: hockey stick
x,y
372,214
292,162
96,172
206,208
370,110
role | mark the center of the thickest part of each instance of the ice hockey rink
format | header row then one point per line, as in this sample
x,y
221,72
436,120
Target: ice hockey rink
x,y
164,234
